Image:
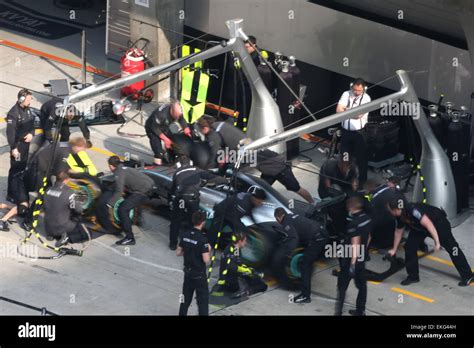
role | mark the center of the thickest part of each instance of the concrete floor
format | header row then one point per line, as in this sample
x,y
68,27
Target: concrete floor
x,y
146,279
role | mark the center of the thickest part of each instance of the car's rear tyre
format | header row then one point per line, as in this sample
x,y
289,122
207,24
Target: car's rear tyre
x,y
286,266
114,216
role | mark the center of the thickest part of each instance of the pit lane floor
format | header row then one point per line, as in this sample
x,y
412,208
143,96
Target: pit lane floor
x,y
146,279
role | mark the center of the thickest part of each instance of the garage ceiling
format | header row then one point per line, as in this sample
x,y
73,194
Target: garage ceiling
x,y
436,19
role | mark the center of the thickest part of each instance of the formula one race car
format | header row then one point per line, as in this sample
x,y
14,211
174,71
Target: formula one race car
x,y
266,246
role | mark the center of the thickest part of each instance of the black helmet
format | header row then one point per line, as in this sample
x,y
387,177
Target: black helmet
x,y
257,192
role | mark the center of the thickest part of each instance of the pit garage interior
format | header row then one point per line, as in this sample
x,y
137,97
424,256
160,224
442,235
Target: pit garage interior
x,y
42,44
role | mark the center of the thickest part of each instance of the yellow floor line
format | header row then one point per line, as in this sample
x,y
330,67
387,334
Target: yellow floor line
x,y
374,282
412,294
438,259
104,152
270,281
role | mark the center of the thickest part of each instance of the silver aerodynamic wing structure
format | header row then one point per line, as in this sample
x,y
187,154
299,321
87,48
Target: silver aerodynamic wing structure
x,y
264,118
437,174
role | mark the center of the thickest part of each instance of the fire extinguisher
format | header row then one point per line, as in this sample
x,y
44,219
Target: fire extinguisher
x,y
132,62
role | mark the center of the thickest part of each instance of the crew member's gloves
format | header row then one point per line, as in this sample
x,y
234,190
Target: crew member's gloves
x,y
187,132
168,142
89,143
258,274
352,270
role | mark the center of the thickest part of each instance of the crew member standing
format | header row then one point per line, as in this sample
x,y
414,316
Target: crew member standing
x,y
345,175
312,237
20,132
424,220
50,115
195,249
223,139
139,188
157,128
353,141
249,46
384,229
185,195
353,264
275,168
337,171
235,207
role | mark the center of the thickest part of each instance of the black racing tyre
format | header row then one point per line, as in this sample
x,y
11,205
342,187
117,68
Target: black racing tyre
x,y
86,192
114,217
293,267
258,250
286,265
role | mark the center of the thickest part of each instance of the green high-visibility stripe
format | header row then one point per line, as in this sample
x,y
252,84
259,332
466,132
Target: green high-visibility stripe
x,y
187,78
198,111
202,90
187,108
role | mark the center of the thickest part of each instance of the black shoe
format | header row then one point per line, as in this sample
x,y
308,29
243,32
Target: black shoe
x,y
10,199
240,294
466,282
4,226
172,246
409,280
126,241
62,241
302,299
356,312
26,226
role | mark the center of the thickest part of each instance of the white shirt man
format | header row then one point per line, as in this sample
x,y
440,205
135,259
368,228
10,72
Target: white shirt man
x,y
350,99
352,139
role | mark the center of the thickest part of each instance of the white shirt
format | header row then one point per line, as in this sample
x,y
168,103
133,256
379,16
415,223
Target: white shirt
x,y
350,101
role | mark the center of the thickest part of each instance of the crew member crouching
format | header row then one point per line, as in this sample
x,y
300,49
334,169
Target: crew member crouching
x,y
232,269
